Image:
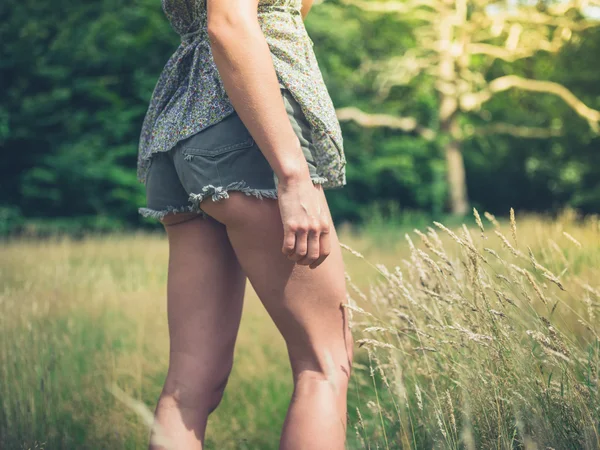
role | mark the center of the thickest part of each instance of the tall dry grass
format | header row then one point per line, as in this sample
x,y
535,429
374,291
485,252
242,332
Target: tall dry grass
x,y
466,338
483,338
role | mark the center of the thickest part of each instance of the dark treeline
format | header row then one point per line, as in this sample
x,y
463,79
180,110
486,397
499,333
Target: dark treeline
x,y
76,79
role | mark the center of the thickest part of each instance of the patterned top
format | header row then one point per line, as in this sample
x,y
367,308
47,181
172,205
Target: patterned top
x,y
189,95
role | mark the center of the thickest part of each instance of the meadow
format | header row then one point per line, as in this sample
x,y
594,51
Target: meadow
x,y
479,336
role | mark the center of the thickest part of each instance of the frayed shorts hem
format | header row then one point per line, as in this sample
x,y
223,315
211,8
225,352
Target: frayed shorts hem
x,y
169,210
216,193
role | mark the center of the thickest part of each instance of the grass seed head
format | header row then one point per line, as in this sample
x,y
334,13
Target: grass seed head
x,y
478,221
513,225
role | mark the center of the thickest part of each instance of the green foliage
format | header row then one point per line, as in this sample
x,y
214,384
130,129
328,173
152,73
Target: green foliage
x,y
541,174
76,80
75,89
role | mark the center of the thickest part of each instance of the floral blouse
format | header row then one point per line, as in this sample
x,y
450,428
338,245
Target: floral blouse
x,y
189,95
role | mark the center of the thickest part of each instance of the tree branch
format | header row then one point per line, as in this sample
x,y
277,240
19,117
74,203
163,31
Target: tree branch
x,y
500,52
505,54
519,131
367,120
471,101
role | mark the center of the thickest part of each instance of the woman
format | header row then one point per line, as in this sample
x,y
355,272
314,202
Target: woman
x,y
238,144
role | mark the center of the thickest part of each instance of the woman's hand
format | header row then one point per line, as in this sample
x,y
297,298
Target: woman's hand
x,y
305,222
244,61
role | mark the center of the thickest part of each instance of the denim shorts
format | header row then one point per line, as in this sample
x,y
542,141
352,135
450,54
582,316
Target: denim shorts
x,y
219,159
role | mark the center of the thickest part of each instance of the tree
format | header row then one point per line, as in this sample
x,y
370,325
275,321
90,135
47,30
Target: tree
x,y
459,43
76,80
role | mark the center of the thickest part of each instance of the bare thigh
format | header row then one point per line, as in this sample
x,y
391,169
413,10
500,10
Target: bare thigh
x,y
305,304
205,296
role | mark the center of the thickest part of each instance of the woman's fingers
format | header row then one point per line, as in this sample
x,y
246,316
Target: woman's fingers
x,y
289,241
301,245
312,244
324,249
305,223
312,249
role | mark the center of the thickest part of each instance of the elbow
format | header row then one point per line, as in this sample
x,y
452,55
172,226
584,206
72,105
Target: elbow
x,y
228,27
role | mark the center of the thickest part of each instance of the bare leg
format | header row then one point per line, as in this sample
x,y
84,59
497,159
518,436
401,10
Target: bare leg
x,y
306,307
205,296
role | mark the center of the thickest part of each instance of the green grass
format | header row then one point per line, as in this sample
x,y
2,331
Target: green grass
x,y
449,353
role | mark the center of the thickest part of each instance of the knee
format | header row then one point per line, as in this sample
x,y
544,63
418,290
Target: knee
x,y
333,378
322,362
196,393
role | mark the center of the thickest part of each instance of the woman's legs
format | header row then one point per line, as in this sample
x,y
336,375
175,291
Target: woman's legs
x,y
205,296
306,305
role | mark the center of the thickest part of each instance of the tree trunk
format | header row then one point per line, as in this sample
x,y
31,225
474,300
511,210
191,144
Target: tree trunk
x,y
447,86
457,182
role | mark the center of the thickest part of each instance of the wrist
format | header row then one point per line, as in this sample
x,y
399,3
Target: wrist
x,y
293,168
293,173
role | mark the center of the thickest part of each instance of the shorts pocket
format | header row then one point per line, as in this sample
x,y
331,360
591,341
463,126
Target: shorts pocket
x,y
227,135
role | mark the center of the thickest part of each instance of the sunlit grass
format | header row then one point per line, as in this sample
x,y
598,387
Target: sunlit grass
x,y
469,369
80,316
484,338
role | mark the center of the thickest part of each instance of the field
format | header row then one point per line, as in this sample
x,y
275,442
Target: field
x,y
483,336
